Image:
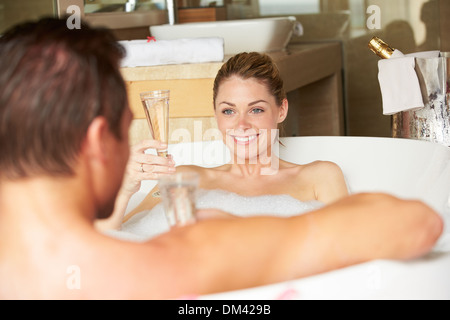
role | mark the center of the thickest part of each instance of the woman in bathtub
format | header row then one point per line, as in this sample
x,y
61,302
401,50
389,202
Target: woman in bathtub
x,y
250,103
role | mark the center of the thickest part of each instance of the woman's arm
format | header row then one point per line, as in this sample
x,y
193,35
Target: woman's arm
x,y
151,200
140,166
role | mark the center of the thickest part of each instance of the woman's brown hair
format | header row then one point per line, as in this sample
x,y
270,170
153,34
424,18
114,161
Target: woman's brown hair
x,y
252,65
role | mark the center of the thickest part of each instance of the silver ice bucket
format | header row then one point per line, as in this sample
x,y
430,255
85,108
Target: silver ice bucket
x,y
432,122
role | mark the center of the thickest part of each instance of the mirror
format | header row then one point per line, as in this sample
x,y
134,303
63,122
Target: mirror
x,y
102,6
288,7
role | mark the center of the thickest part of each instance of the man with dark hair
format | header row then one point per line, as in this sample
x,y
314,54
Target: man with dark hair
x,y
64,123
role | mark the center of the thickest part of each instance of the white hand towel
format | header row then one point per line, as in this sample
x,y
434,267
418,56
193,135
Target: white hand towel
x,y
140,53
424,54
399,85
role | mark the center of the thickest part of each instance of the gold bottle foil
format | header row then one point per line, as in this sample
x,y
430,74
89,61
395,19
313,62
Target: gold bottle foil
x,y
380,48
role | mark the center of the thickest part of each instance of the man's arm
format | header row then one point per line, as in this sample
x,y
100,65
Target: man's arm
x,y
265,250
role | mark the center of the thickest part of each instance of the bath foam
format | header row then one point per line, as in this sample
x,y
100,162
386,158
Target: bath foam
x,y
150,223
271,205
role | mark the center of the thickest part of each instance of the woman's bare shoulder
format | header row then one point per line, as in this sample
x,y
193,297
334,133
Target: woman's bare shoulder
x,y
329,181
314,167
323,167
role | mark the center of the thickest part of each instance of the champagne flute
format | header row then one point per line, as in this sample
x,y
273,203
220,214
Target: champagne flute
x,y
156,107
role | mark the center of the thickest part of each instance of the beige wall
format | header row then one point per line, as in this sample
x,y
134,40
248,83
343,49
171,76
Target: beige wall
x,y
444,13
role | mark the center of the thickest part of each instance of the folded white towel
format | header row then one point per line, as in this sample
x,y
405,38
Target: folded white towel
x,y
424,54
140,53
399,85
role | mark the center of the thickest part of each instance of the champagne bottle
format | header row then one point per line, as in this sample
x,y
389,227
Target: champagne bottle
x,y
383,50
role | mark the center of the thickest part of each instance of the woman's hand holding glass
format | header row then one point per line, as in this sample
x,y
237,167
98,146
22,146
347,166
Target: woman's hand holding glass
x,y
142,166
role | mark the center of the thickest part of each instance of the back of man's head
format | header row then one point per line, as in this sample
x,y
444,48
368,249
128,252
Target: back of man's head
x,y
53,82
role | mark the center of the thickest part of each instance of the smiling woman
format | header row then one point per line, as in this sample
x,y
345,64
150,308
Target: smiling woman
x,y
249,103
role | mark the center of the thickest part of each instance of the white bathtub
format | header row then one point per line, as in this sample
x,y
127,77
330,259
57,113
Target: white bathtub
x,y
405,168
